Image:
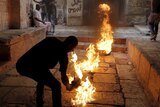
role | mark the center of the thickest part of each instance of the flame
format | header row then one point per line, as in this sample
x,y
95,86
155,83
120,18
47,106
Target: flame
x,y
105,43
92,61
84,93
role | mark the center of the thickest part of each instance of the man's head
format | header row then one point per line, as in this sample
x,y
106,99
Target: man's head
x,y
70,43
38,7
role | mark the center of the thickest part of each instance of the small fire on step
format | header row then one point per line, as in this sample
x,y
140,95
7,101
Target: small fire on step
x,y
104,44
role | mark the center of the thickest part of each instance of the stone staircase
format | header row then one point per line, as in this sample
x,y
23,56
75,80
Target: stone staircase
x,y
119,44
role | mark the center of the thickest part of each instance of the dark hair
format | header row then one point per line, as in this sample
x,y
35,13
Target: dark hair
x,y
38,6
71,40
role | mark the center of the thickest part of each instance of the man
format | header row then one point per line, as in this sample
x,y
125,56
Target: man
x,y
43,9
49,11
43,56
38,19
153,19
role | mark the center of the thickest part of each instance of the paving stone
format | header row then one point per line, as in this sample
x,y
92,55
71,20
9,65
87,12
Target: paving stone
x,y
112,98
109,59
102,64
123,61
100,87
126,72
105,70
18,81
106,78
136,103
100,70
120,55
12,72
20,95
66,99
3,92
132,89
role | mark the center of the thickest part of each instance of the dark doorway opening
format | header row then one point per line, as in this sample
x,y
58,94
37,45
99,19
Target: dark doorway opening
x,y
90,11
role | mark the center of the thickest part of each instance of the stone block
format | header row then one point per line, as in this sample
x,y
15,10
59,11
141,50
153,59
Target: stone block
x,y
136,103
126,72
134,54
102,87
20,95
154,83
18,81
144,70
132,89
109,59
110,98
136,57
15,42
105,78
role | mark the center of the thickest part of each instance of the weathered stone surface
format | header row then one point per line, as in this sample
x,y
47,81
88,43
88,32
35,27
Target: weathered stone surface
x,y
122,61
126,72
67,98
100,70
105,70
154,84
109,98
136,103
132,89
18,81
4,15
106,78
3,92
21,95
144,70
109,59
120,55
105,65
12,72
102,87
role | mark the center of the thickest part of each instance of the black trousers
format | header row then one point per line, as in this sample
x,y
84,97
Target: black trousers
x,y
153,28
43,77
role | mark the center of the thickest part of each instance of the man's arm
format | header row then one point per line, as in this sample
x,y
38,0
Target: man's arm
x,y
37,1
36,17
39,20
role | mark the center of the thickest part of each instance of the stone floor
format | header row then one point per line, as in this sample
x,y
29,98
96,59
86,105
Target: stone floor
x,y
115,82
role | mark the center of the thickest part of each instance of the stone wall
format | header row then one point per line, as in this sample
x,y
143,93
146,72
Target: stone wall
x,y
24,13
136,11
3,15
145,56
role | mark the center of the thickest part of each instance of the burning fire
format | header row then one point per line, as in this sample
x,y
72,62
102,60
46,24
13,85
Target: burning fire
x,y
84,93
105,43
92,61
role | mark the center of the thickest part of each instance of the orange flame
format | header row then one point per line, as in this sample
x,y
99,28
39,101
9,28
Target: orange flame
x,y
105,43
92,61
85,92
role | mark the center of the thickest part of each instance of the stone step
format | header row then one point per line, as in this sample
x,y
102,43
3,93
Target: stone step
x,y
115,47
119,44
95,39
5,65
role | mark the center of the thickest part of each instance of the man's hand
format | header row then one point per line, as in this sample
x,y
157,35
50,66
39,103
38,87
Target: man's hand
x,y
75,83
